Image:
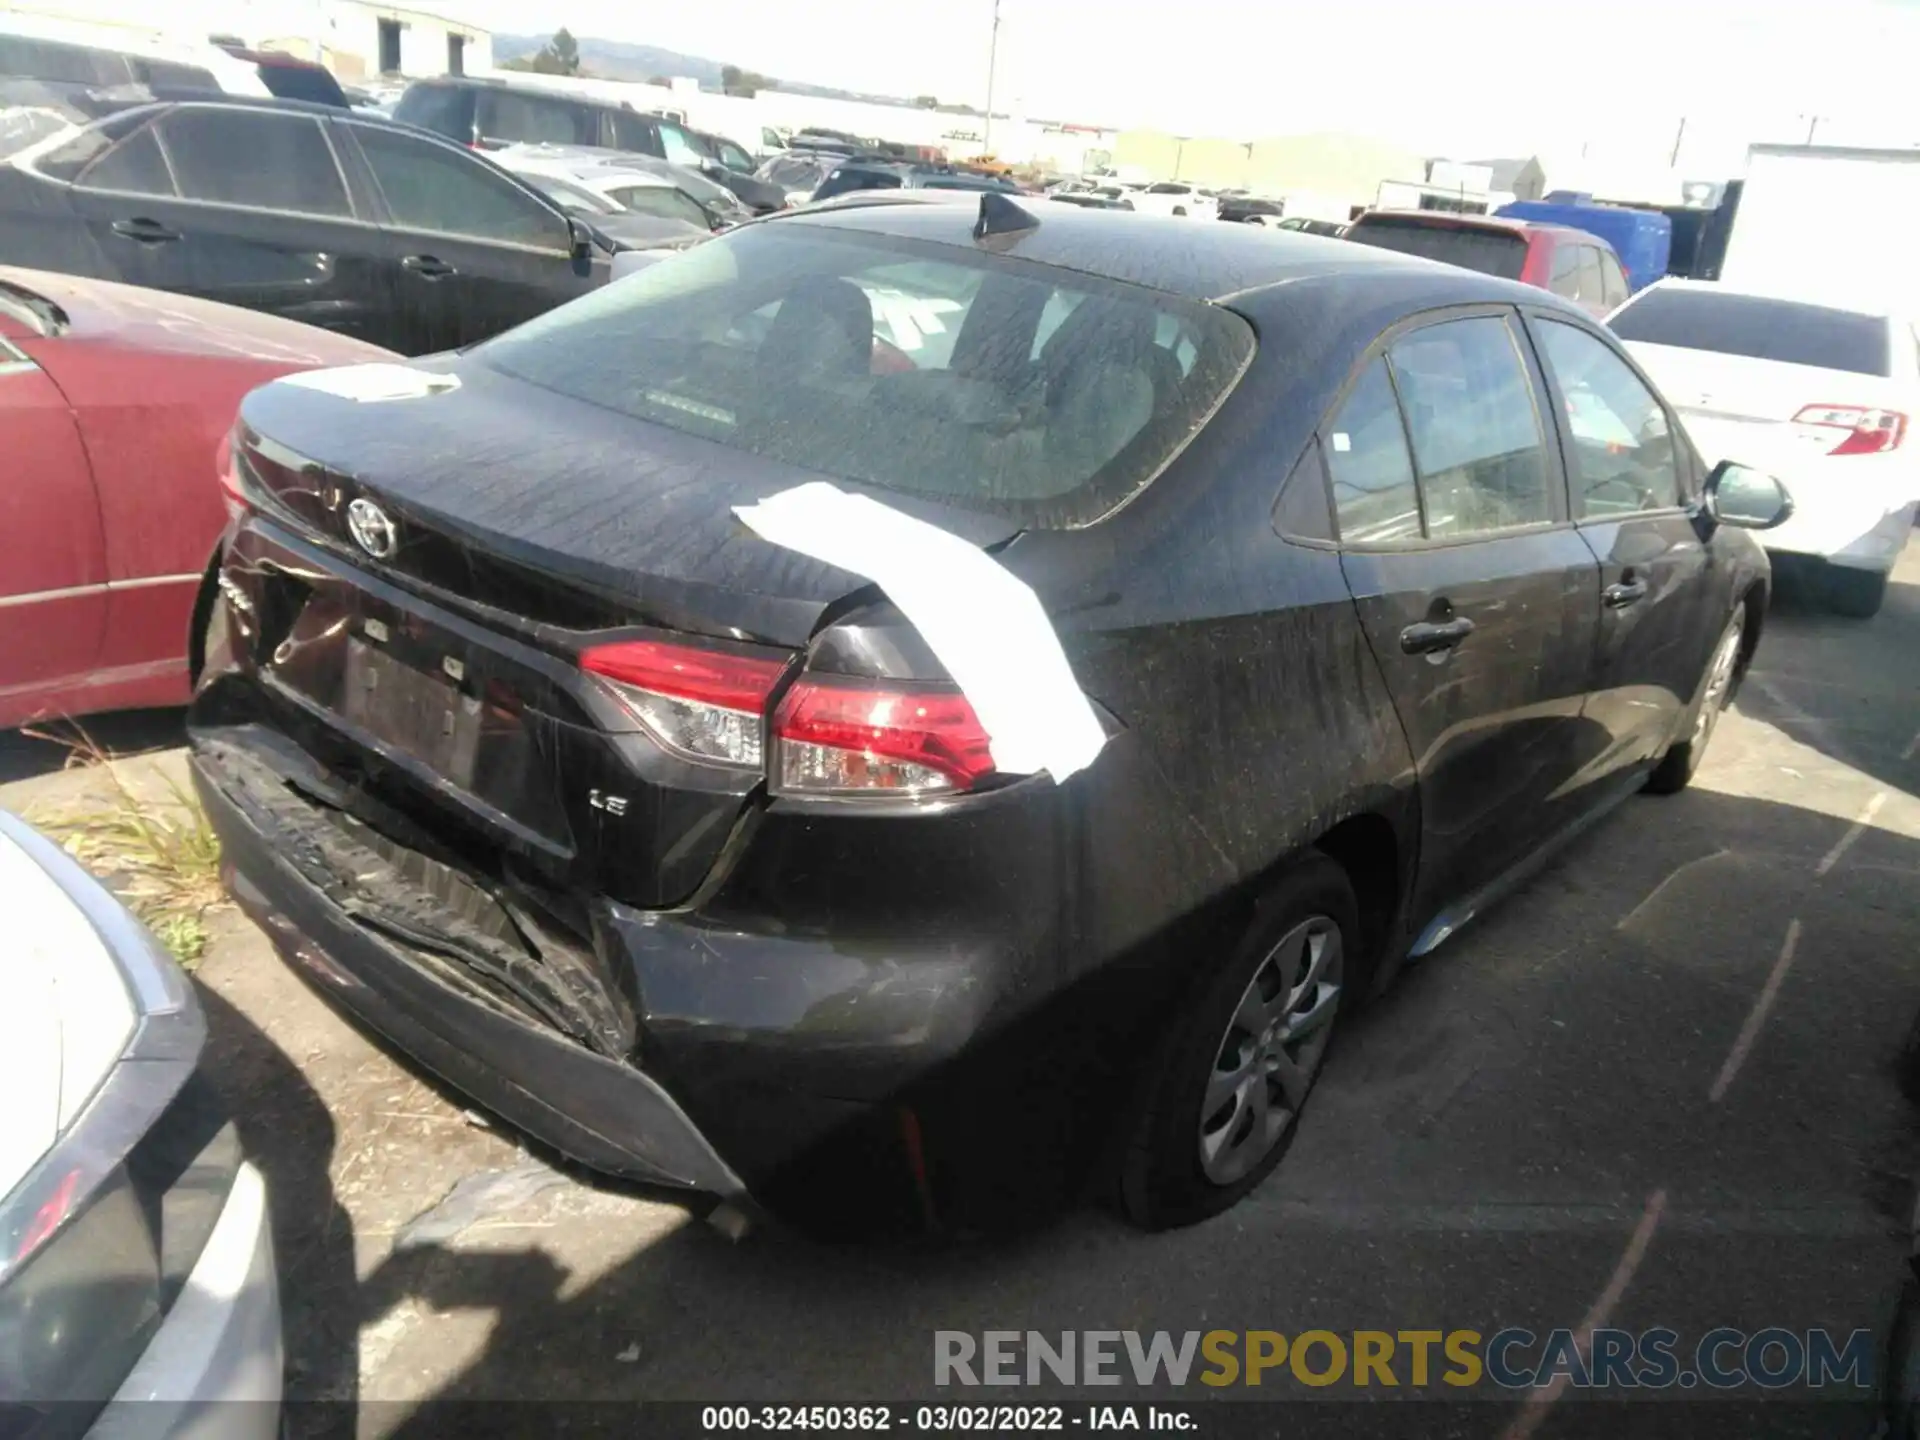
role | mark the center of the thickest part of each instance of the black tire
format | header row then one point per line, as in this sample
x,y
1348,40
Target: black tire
x,y
1163,1183
1682,761
1854,593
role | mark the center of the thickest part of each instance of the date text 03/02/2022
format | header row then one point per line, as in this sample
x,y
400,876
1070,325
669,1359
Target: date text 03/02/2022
x,y
942,1419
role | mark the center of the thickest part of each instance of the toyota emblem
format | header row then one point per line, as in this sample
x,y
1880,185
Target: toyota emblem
x,y
372,531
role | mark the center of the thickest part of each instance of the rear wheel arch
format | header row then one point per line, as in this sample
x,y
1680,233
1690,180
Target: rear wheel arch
x,y
202,617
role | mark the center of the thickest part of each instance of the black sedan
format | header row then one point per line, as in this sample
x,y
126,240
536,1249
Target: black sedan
x,y
329,216
688,851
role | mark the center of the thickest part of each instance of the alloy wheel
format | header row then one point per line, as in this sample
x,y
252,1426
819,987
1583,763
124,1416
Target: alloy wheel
x,y
1271,1051
1719,685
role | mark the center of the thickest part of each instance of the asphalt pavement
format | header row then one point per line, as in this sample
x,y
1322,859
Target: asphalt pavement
x,y
1653,1089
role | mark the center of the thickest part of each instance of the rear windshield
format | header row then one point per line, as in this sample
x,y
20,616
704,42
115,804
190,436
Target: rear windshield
x,y
1491,252
1041,394
846,179
1759,327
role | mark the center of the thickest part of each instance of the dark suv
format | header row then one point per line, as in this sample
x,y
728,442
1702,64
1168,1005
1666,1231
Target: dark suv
x,y
1354,584
489,114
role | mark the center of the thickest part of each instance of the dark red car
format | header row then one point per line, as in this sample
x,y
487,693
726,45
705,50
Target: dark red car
x,y
1571,263
114,403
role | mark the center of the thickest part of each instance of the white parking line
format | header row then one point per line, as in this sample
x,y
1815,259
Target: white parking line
x,y
1535,1410
1845,842
1756,1017
1912,746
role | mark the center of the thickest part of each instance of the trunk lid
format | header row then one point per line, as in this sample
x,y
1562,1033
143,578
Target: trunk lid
x,y
1737,407
441,681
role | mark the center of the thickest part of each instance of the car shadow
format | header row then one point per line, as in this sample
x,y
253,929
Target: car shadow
x,y
48,746
1470,1067
288,1133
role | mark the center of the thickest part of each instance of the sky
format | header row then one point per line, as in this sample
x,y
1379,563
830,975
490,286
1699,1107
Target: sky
x,y
1464,77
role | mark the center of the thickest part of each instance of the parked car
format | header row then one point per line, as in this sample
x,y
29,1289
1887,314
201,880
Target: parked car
x,y
684,850
331,217
627,209
1249,209
798,173
110,510
731,166
288,77
73,57
1570,263
1330,229
488,114
137,1288
624,171
1640,240
862,174
1823,395
1086,200
1174,197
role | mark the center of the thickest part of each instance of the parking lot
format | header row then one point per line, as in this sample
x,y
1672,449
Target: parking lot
x,y
1653,1089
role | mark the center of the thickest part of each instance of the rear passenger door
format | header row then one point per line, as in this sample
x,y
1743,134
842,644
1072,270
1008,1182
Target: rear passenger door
x,y
241,205
477,252
1632,483
1479,600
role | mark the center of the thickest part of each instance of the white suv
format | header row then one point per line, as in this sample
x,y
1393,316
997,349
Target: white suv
x,y
1175,197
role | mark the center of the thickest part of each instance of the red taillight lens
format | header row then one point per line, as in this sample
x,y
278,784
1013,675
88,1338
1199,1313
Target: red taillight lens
x,y
835,737
226,465
705,705
1869,431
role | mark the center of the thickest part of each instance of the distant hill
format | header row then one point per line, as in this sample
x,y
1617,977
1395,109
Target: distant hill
x,y
622,60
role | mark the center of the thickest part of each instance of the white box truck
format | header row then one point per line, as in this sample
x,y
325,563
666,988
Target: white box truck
x,y
1827,220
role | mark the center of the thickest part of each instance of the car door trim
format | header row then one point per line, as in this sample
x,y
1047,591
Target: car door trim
x,y
101,587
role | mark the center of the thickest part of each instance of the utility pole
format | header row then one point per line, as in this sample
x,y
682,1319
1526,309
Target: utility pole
x,y
1673,160
993,54
1813,124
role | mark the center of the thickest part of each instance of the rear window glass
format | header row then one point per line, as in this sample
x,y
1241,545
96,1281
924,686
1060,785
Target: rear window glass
x,y
444,109
1758,327
907,366
846,179
1491,252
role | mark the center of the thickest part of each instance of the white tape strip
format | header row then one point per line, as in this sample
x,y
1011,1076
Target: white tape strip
x,y
373,382
984,623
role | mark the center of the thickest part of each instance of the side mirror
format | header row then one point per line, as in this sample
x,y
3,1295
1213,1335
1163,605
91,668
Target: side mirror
x,y
1747,498
583,240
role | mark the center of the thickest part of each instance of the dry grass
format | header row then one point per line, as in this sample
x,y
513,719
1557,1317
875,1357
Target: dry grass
x,y
158,853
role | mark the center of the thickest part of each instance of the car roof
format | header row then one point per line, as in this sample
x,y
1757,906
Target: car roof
x,y
1170,253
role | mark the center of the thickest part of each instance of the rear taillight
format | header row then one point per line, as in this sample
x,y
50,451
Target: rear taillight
x,y
705,705
226,465
1868,431
835,737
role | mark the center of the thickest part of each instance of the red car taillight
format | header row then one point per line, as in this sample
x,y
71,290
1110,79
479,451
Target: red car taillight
x,y
226,465
704,705
1869,431
831,735
835,737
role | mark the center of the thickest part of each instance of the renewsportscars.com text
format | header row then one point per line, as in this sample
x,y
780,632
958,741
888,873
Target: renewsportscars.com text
x,y
1508,1359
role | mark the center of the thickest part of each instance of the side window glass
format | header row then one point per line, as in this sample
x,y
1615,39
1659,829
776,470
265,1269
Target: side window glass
x,y
679,149
1615,281
1475,430
535,119
257,159
1592,290
1624,457
1565,278
134,165
633,132
440,189
177,77
1374,495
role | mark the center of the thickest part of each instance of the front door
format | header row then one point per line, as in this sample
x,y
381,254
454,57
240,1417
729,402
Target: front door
x,y
1479,600
477,253
1629,473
